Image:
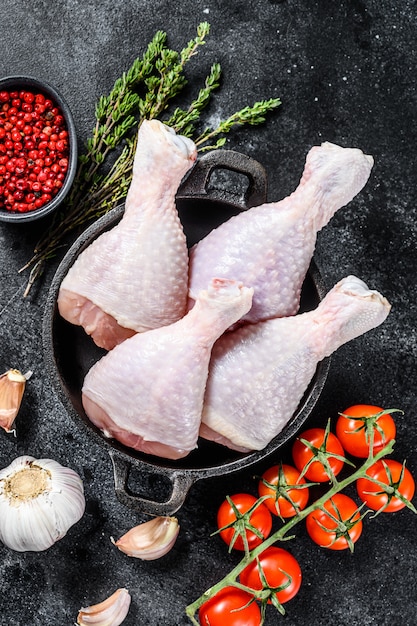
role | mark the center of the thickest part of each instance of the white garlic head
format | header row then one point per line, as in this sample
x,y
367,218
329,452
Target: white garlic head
x,y
39,501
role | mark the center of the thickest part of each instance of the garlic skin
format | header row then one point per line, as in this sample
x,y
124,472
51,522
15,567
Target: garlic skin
x,y
39,501
150,540
110,612
12,387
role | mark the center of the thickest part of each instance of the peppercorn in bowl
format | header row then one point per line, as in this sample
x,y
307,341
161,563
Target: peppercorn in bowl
x,y
38,149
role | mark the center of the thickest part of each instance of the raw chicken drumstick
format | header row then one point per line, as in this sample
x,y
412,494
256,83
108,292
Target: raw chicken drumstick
x,y
270,247
148,391
134,277
259,372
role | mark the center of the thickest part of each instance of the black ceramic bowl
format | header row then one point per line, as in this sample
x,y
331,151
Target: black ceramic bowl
x,y
26,83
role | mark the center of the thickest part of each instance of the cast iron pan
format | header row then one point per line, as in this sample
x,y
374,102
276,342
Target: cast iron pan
x,y
69,351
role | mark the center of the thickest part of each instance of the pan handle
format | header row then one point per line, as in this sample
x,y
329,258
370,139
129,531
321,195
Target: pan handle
x,y
180,483
196,184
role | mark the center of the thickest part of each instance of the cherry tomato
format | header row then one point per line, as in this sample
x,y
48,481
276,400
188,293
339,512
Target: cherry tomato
x,y
353,434
322,439
230,607
283,500
392,473
342,508
260,519
278,567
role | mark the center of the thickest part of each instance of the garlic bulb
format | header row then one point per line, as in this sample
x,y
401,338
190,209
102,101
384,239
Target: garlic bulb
x,y
12,387
39,501
150,540
110,612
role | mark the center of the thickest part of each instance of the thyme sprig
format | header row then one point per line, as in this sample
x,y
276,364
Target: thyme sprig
x,y
183,120
282,534
249,115
115,117
145,91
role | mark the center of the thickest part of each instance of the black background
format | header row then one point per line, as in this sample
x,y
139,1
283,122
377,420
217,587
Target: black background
x,y
345,72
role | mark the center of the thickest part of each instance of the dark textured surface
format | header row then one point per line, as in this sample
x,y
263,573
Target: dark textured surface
x,y
345,72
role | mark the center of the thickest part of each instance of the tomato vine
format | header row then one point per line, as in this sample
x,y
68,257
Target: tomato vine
x,y
339,526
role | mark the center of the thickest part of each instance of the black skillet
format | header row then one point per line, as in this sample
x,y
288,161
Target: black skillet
x,y
69,352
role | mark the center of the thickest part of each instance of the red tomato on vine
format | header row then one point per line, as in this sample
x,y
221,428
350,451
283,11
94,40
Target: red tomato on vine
x,y
317,453
395,489
357,424
230,607
243,515
286,491
338,526
277,569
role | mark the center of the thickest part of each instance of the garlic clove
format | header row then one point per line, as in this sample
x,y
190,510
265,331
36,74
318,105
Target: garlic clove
x,y
110,612
39,501
12,387
150,540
